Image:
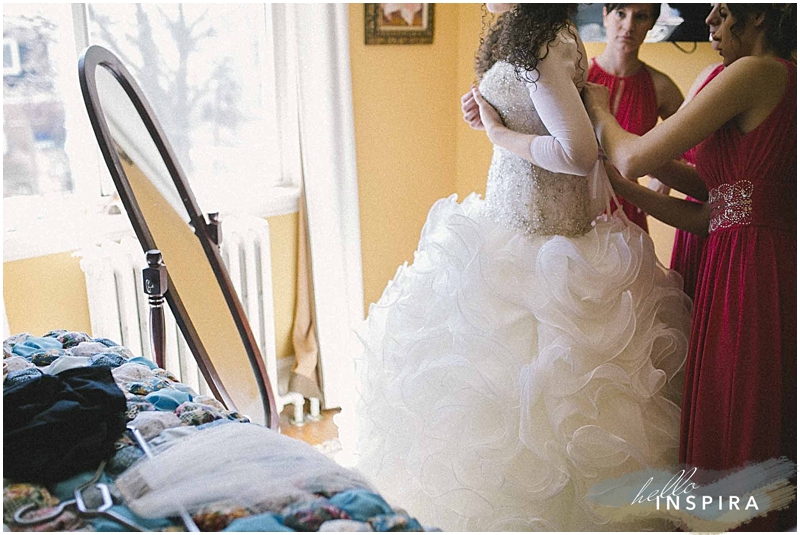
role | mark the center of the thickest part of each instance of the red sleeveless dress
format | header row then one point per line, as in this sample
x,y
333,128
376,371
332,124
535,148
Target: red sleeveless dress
x,y
687,247
740,393
636,112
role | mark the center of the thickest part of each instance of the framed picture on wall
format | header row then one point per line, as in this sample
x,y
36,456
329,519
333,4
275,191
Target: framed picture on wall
x,y
398,24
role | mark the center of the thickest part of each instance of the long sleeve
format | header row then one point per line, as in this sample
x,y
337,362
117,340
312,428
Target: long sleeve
x,y
571,146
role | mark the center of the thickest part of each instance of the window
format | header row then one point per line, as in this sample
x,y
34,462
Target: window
x,y
209,72
11,57
34,112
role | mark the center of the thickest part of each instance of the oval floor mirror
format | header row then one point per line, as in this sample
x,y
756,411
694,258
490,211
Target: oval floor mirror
x,y
165,216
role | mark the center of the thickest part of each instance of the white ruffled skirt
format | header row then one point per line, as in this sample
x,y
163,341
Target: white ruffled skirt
x,y
504,375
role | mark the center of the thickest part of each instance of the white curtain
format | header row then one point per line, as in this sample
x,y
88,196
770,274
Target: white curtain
x,y
6,328
327,141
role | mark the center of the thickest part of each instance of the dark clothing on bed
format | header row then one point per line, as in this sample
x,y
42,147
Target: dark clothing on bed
x,y
56,426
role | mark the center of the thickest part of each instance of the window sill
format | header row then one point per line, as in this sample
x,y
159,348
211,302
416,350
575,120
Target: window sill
x,y
67,231
273,202
60,234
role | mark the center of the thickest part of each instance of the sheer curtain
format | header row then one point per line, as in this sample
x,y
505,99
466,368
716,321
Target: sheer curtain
x,y
319,34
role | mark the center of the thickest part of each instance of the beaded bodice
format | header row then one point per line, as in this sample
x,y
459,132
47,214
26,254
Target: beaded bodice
x,y
527,198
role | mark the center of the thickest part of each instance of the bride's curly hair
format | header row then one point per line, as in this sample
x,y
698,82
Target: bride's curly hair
x,y
519,35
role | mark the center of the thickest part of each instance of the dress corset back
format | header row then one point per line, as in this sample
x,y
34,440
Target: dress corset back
x,y
527,198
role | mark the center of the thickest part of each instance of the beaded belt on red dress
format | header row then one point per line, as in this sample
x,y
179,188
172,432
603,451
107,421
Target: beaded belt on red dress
x,y
743,203
731,204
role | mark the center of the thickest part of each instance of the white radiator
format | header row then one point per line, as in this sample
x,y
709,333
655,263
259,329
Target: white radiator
x,y
119,310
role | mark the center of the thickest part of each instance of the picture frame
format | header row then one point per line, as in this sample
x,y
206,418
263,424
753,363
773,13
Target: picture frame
x,y
398,24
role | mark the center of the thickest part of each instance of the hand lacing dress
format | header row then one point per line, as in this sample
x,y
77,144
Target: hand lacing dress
x,y
635,107
528,352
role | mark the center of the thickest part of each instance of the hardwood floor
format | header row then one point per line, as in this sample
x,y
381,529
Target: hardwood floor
x,y
312,432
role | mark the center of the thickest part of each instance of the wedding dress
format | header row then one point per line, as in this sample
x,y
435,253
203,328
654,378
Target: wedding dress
x,y
530,351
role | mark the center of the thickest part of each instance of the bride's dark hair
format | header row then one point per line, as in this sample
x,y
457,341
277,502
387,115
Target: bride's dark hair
x,y
518,36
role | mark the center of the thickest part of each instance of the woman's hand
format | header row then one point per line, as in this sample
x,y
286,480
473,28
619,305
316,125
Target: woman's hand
x,y
471,111
614,177
488,115
596,99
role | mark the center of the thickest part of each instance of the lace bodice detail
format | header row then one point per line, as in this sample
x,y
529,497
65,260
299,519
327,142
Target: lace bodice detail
x,y
528,198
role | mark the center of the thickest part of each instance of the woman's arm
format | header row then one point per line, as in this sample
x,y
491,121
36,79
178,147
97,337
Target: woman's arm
x,y
571,146
749,85
684,173
498,134
680,173
681,176
685,215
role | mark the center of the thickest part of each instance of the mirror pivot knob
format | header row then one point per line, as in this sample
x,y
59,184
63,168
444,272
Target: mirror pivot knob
x,y
155,274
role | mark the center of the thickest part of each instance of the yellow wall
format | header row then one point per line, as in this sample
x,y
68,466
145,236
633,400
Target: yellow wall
x,y
44,293
49,292
405,139
474,149
283,245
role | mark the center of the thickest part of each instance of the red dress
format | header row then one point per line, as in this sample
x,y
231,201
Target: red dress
x,y
636,111
688,248
740,390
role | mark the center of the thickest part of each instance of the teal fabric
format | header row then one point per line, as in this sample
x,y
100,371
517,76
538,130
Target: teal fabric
x,y
112,360
65,489
45,357
20,376
168,399
361,504
263,522
150,524
68,338
32,345
147,386
394,522
147,362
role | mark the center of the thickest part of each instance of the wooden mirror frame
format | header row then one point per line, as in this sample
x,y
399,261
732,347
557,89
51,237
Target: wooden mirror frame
x,y
96,57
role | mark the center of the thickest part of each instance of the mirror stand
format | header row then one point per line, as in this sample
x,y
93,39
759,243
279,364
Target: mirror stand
x,y
154,277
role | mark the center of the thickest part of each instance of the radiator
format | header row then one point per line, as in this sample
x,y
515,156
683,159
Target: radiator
x,y
119,310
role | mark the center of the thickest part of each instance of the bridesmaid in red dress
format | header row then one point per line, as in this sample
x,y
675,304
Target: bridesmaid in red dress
x,y
740,395
687,248
639,93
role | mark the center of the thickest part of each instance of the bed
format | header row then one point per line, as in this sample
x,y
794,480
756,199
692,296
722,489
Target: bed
x,y
73,406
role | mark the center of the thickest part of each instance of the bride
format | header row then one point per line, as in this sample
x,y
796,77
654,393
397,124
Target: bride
x,y
531,350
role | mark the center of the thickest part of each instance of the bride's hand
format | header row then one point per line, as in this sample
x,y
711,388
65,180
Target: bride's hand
x,y
596,98
489,117
471,111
